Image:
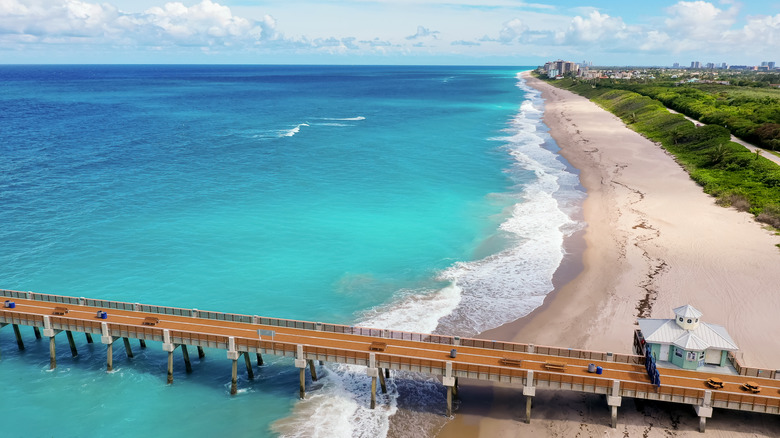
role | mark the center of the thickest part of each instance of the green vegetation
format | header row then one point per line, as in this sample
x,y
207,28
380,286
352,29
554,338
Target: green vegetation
x,y
749,107
726,170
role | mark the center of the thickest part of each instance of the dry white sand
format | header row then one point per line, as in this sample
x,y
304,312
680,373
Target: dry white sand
x,y
654,241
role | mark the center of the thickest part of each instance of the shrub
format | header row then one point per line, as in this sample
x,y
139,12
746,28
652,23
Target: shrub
x,y
770,215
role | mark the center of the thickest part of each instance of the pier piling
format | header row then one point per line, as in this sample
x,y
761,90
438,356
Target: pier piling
x,y
201,353
449,401
529,391
72,343
52,354
170,367
313,371
259,359
234,378
303,383
382,381
110,357
37,332
142,343
186,355
373,392
704,411
248,362
614,402
89,337
128,349
18,334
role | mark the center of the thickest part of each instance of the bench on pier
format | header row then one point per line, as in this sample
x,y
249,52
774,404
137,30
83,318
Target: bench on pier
x,y
557,366
59,311
150,320
511,362
377,346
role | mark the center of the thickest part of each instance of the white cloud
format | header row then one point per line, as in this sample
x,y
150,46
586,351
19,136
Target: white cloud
x,y
513,30
203,24
699,21
595,27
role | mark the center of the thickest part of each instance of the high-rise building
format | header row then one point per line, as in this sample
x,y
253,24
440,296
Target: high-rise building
x,y
676,65
710,65
695,64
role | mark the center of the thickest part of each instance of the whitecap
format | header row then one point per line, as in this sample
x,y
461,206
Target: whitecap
x,y
293,131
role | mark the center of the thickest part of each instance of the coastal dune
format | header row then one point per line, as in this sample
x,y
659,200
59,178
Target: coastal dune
x,y
654,241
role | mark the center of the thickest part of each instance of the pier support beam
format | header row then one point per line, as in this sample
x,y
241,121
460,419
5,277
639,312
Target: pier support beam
x,y
529,391
449,381
312,370
234,378
37,332
89,337
704,411
128,349
107,339
373,391
259,359
201,353
300,363
50,333
18,334
142,343
72,343
248,362
52,354
186,355
614,402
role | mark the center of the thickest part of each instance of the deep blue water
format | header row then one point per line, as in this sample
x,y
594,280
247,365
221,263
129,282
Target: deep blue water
x,y
404,197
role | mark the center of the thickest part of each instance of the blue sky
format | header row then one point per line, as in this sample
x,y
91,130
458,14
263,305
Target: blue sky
x,y
489,32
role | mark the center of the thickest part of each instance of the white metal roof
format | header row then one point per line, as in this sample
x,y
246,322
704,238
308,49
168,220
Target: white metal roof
x,y
666,331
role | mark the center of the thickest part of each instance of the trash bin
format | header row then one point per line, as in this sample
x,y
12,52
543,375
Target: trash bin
x,y
592,368
453,352
599,370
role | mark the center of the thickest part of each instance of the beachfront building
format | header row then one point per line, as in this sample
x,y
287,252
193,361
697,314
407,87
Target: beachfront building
x,y
686,341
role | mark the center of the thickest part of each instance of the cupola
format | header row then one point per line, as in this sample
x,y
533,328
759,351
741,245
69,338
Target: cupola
x,y
687,317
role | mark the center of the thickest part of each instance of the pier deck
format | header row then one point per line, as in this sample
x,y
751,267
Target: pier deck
x,y
523,364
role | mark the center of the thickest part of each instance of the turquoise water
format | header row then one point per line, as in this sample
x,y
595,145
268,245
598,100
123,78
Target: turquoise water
x,y
403,197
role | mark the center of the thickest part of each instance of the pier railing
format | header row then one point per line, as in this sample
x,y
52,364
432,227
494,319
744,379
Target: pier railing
x,y
750,371
454,341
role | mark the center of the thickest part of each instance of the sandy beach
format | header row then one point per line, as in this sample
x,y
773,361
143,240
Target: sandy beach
x,y
654,241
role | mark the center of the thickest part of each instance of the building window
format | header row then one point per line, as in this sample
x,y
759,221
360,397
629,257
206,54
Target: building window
x,y
690,321
681,319
678,352
691,355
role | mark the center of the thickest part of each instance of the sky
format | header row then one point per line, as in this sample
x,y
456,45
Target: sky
x,y
422,32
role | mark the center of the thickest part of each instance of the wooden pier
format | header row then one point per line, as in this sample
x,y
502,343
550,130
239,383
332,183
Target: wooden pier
x,y
379,350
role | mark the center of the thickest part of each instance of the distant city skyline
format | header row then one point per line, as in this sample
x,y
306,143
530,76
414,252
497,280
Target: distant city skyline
x,y
497,32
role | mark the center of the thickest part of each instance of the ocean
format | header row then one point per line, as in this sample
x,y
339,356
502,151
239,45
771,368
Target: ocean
x,y
426,199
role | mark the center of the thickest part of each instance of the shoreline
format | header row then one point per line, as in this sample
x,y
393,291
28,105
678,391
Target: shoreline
x,y
654,240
